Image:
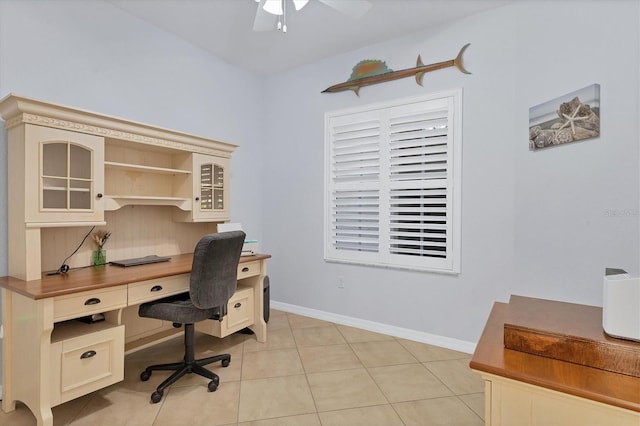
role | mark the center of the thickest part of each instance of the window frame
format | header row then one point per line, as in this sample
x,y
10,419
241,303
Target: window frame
x,y
451,263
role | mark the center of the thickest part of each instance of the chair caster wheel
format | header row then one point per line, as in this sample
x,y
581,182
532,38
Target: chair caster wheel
x,y
212,386
225,362
144,376
156,396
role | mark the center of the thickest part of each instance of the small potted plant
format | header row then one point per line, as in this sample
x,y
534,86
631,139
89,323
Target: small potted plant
x,y
99,256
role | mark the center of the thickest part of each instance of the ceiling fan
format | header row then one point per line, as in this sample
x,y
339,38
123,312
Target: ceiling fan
x,y
272,14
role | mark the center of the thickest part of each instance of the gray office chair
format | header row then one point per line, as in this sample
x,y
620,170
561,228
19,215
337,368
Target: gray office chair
x,y
213,281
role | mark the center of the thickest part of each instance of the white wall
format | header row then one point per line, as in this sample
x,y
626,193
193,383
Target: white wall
x,y
533,223
577,206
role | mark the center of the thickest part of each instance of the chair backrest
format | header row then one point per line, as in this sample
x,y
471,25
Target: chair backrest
x,y
214,272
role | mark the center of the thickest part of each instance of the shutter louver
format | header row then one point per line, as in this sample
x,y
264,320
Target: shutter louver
x,y
418,206
356,220
418,222
356,172
418,146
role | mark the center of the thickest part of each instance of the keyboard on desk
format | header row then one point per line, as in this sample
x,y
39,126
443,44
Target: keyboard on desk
x,y
140,261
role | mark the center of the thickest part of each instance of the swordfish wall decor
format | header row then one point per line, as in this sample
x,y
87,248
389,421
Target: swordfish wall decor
x,y
373,71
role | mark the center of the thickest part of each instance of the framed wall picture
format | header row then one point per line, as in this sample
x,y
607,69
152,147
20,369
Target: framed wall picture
x,y
569,118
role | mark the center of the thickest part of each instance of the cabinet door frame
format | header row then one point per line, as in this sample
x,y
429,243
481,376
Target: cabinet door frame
x,y
36,138
198,212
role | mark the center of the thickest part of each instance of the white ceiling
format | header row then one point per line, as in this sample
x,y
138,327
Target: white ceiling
x,y
225,27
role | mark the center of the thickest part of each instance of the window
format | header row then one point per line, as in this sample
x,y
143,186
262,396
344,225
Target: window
x,y
392,180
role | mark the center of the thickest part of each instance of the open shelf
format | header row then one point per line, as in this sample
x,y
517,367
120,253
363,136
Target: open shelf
x,y
114,202
145,169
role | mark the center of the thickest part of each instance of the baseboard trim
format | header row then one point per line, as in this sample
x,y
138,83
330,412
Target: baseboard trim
x,y
376,327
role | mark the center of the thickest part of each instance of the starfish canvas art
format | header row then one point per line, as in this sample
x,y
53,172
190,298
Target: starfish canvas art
x,y
569,118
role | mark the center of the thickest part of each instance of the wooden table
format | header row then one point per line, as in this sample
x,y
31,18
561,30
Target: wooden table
x,y
526,389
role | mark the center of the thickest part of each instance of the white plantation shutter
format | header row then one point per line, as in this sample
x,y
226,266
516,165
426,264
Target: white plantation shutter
x,y
355,195
393,184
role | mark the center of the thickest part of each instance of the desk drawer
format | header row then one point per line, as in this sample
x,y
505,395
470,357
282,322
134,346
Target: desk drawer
x,y
145,291
240,311
249,269
87,362
89,302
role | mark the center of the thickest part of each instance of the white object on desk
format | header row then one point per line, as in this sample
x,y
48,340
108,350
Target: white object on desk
x,y
621,305
250,247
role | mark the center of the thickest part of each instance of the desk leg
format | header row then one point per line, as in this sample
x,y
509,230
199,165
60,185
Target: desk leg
x,y
259,326
8,403
26,355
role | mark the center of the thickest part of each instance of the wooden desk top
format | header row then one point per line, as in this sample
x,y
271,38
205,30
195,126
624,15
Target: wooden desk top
x,y
599,385
97,277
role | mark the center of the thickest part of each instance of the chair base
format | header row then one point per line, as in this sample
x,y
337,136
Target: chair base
x,y
188,366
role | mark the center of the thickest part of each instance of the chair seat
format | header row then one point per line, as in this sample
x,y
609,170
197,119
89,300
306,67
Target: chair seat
x,y
177,309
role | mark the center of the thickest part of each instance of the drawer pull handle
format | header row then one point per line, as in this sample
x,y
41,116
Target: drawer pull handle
x,y
92,301
245,269
88,354
237,305
156,288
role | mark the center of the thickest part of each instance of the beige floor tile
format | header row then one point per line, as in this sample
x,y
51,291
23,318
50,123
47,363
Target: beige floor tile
x,y
277,321
62,414
353,335
424,352
386,352
275,397
317,336
344,389
345,383
328,358
378,415
457,375
275,363
117,405
436,412
209,345
278,339
193,405
302,420
22,416
298,321
475,401
408,382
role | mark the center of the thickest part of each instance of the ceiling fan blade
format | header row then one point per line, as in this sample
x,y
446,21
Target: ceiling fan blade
x,y
299,4
354,8
274,7
264,21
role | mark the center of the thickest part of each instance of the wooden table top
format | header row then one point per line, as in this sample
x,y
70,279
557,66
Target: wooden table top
x,y
591,383
97,277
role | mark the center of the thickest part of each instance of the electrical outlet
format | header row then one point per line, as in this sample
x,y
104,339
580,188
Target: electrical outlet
x,y
340,281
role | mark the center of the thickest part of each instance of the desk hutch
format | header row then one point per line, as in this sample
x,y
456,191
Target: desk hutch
x,y
158,191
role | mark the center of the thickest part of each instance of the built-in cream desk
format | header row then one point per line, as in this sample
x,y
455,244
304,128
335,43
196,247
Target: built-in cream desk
x,y
50,357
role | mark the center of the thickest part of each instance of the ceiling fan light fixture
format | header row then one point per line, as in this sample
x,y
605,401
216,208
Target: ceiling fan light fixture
x,y
273,7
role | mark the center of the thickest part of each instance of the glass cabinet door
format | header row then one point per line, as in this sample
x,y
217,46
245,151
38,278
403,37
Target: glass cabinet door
x,y
67,179
210,189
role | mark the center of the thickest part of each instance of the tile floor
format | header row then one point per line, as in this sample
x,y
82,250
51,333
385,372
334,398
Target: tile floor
x,y
311,372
